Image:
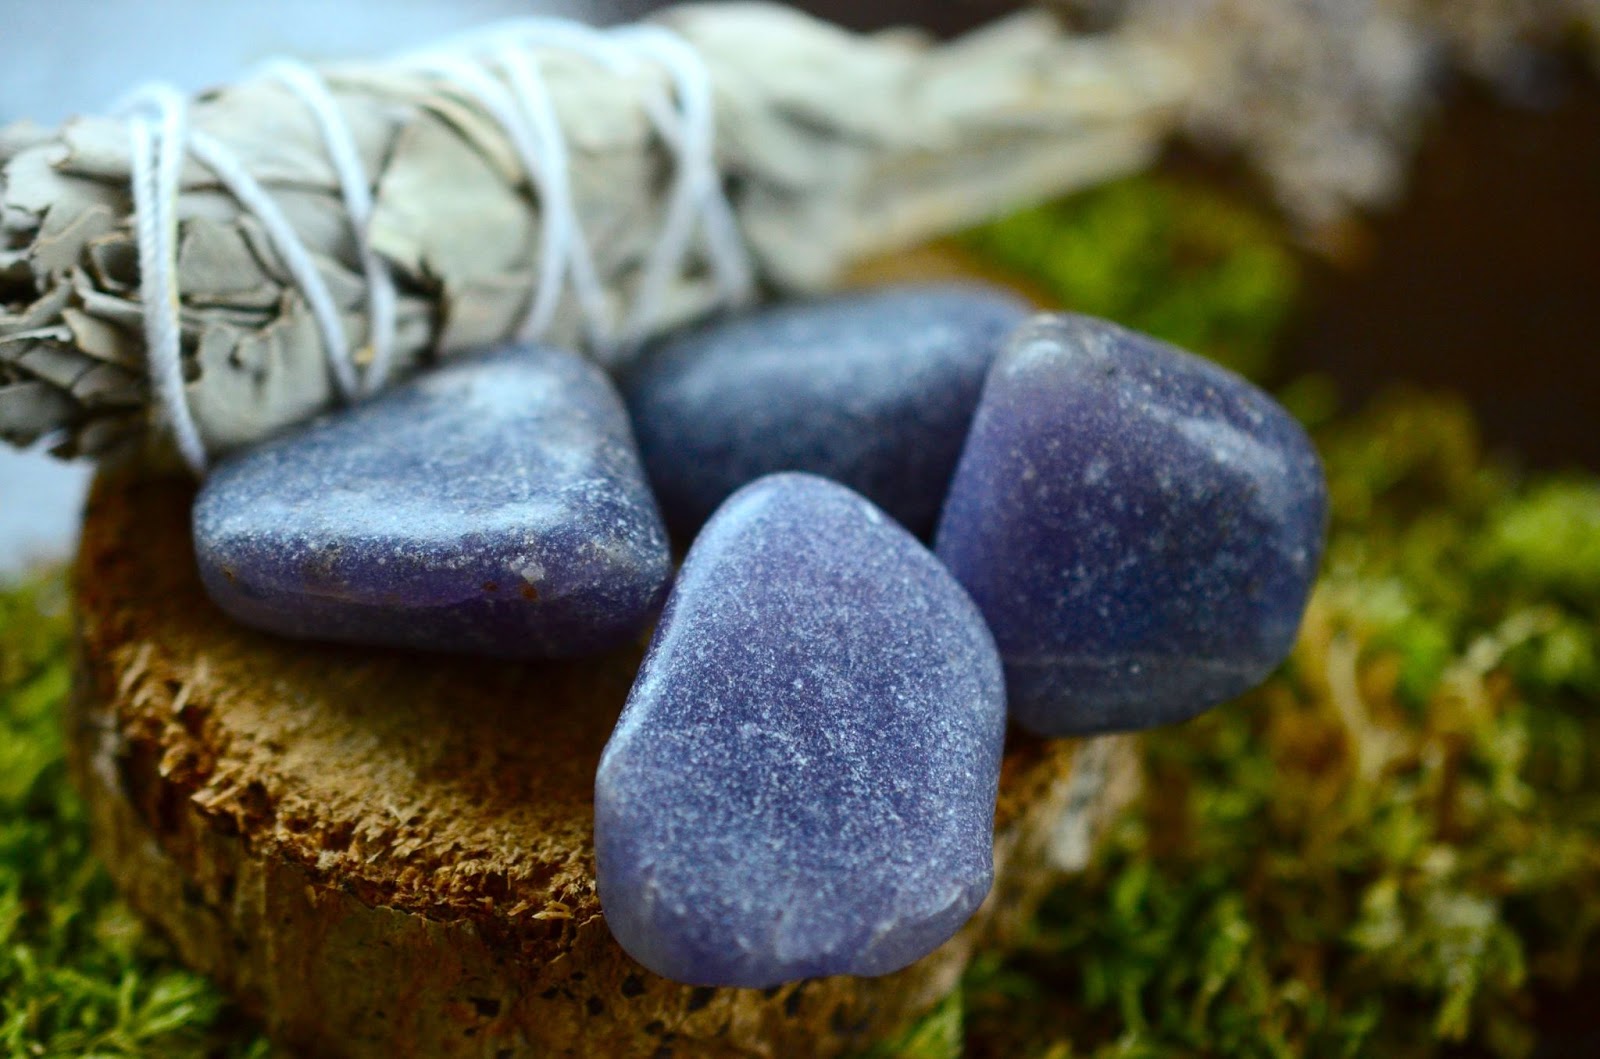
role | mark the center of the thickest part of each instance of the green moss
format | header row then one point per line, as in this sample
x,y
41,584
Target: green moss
x,y
1395,844
940,1035
1551,539
1185,264
79,975
1392,848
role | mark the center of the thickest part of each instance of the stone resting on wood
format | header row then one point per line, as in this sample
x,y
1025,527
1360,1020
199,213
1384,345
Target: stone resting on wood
x,y
392,854
384,854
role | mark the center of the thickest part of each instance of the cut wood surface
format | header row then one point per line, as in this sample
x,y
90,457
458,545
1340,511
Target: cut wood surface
x,y
390,855
385,854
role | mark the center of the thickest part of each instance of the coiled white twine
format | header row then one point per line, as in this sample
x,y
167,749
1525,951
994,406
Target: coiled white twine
x,y
681,112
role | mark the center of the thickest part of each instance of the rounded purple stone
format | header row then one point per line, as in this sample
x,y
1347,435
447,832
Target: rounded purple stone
x,y
803,780
873,390
495,505
1140,527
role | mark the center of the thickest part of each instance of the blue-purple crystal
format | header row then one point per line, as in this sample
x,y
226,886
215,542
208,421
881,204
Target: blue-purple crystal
x,y
872,390
1140,527
803,780
496,505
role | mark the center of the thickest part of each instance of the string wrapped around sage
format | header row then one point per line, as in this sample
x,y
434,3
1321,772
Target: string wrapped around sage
x,y
828,147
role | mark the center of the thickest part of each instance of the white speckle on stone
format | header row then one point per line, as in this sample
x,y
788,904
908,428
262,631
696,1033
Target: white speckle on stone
x,y
1032,355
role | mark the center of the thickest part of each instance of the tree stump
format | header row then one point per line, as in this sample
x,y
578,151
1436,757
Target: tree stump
x,y
384,854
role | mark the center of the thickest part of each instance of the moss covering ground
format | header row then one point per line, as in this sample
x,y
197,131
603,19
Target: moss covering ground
x,y
1178,261
1391,849
79,974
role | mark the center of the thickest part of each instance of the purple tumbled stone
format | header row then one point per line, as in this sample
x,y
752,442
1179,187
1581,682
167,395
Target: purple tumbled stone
x,y
1140,527
872,390
803,780
495,505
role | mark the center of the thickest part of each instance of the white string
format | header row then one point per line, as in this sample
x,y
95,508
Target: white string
x,y
528,118
682,112
356,188
567,244
689,134
560,230
157,125
216,157
699,193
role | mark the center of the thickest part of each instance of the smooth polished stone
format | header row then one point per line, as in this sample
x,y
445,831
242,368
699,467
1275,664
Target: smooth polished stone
x,y
1140,527
495,505
873,390
803,780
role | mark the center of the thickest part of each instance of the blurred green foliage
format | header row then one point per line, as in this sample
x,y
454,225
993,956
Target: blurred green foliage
x,y
1180,262
1392,847
79,975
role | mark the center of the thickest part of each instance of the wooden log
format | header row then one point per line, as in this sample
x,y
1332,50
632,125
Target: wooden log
x,y
388,855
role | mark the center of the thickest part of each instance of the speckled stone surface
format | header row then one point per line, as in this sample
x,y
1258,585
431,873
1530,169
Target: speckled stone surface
x,y
1140,527
803,780
873,390
495,505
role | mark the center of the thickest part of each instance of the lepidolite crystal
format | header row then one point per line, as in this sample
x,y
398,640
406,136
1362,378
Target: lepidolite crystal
x,y
803,780
496,505
1140,527
873,390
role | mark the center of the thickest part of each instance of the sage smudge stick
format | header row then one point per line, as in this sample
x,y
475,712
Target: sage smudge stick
x,y
830,147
